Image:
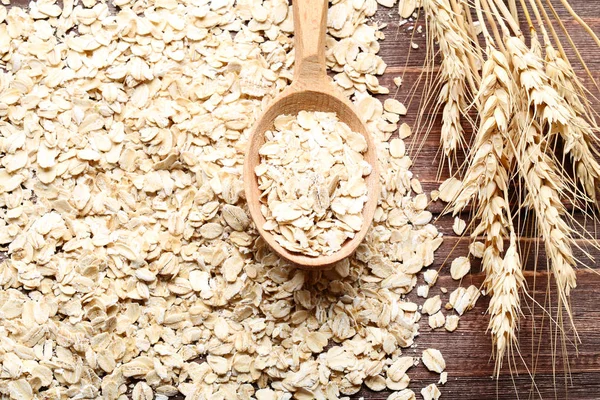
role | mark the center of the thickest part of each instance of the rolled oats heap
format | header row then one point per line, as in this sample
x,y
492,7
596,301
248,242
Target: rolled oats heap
x,y
130,267
311,176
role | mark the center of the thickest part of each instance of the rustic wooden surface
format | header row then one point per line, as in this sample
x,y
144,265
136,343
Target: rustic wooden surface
x,y
467,350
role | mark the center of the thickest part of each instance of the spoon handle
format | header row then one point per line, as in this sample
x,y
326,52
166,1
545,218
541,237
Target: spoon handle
x,y
310,23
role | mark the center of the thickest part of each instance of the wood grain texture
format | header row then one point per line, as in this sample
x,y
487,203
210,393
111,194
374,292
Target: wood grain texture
x,y
467,351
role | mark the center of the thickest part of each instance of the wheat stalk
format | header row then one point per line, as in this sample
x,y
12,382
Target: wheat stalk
x,y
453,42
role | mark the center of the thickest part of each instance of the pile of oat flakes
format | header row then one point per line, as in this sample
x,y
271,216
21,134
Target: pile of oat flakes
x,y
311,178
133,268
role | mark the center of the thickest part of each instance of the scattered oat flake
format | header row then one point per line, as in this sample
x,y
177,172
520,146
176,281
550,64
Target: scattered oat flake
x,y
416,186
397,148
405,394
443,378
433,360
387,3
459,226
436,320
431,392
432,305
449,189
460,267
463,299
394,106
451,323
406,8
375,383
408,306
430,276
476,249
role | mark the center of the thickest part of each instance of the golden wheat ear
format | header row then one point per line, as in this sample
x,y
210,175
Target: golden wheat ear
x,y
457,72
527,98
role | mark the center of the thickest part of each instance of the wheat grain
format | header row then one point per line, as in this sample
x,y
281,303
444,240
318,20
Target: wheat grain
x,y
453,42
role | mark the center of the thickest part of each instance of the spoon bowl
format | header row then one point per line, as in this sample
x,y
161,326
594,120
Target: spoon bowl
x,y
311,90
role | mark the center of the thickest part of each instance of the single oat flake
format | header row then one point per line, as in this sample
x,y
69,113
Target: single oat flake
x,y
433,360
460,267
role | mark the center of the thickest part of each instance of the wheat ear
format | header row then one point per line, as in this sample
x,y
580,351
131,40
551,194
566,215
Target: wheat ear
x,y
578,136
544,193
443,27
487,174
549,107
505,305
486,182
544,111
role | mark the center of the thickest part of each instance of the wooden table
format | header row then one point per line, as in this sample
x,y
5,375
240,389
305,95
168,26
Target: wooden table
x,y
467,350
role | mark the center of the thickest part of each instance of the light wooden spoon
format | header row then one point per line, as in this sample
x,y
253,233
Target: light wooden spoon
x,y
310,90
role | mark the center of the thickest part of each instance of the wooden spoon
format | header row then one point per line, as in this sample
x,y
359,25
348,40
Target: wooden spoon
x,y
310,90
